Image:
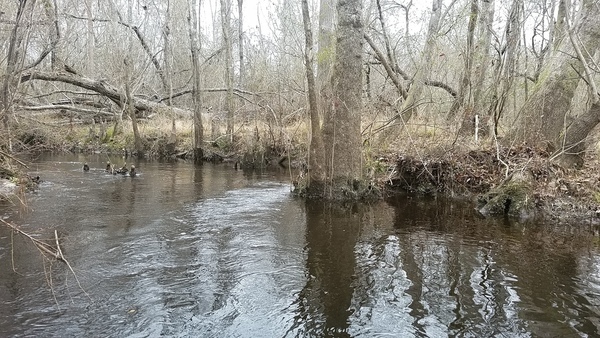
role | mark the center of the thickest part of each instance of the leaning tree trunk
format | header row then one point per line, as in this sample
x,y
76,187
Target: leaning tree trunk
x,y
341,129
543,118
106,90
572,140
573,143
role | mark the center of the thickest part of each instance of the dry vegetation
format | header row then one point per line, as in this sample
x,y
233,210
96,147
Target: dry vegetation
x,y
427,157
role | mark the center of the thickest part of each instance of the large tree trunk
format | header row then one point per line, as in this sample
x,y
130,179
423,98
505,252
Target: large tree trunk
x,y
546,116
326,52
316,159
341,129
573,143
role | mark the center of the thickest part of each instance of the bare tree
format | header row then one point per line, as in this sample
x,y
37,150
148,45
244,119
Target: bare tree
x,y
13,59
546,119
241,43
410,104
226,29
482,56
195,51
139,147
506,71
463,99
128,63
316,155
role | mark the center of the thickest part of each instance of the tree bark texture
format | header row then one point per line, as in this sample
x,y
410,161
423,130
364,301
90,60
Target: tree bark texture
x,y
546,116
326,53
486,19
341,130
195,48
226,28
316,155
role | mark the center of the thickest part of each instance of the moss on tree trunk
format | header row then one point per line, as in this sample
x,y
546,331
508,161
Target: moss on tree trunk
x,y
512,198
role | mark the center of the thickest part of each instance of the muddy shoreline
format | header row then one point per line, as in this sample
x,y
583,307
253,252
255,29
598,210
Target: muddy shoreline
x,y
520,182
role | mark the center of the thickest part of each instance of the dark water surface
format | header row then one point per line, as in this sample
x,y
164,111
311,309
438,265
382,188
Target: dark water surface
x,y
184,251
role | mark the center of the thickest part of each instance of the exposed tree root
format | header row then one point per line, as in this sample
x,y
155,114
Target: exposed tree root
x,y
512,181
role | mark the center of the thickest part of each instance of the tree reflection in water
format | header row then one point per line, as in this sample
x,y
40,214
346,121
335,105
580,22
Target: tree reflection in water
x,y
324,304
433,268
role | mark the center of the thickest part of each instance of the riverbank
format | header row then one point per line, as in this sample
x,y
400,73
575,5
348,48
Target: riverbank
x,y
517,182
169,245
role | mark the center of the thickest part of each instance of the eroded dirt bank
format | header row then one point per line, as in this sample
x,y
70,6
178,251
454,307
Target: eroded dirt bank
x,y
520,182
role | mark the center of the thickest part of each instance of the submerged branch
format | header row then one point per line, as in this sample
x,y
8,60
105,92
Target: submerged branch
x,y
47,250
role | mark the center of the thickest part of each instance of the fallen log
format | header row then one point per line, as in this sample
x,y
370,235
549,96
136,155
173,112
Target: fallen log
x,y
103,88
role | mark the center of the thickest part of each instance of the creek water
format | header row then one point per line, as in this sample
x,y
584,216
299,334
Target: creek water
x,y
208,251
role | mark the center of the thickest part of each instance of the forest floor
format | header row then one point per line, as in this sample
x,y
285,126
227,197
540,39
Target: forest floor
x,y
422,164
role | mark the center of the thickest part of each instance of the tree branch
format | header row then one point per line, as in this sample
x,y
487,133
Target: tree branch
x,y
391,73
